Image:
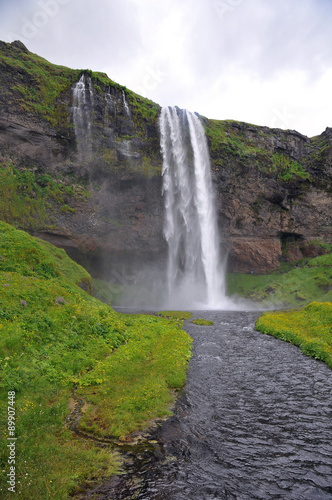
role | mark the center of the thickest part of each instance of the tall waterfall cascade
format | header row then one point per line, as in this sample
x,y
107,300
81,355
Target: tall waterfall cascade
x,y
195,273
83,101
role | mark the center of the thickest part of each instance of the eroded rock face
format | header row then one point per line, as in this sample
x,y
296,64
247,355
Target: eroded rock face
x,y
259,201
120,223
257,212
254,254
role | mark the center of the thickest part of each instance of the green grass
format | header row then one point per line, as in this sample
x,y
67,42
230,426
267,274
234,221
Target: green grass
x,y
106,292
309,328
56,338
179,315
202,322
44,83
132,386
296,287
30,200
29,259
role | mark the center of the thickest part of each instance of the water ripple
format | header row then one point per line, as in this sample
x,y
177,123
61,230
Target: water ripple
x,y
254,422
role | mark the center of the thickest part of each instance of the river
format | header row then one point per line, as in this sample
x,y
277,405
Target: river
x,y
254,421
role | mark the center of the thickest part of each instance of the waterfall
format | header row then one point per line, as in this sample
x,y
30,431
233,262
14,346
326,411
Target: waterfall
x,y
83,101
125,104
195,276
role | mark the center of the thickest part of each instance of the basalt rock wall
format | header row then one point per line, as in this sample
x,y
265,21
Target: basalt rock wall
x,y
273,193
100,187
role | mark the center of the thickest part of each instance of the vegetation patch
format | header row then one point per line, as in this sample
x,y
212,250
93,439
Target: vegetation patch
x,y
202,322
31,200
310,279
43,90
110,293
288,169
309,328
179,315
57,344
246,146
38,84
226,140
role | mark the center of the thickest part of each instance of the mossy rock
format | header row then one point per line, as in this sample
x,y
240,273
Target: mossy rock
x,y
202,322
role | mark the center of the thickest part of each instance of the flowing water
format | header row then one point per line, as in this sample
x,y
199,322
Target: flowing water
x,y
195,276
83,101
125,105
253,422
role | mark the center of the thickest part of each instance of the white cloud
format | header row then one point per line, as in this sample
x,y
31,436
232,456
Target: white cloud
x,y
251,60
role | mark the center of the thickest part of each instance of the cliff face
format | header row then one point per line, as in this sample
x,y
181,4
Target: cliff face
x,y
103,193
273,192
81,167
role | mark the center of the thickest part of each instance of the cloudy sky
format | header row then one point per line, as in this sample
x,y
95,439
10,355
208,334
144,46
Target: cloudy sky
x,y
267,62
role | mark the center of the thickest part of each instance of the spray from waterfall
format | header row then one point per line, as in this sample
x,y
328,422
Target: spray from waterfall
x,y
195,274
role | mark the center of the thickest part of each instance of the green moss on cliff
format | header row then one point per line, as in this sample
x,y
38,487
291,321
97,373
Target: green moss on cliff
x,y
226,140
250,146
36,85
288,157
288,169
30,199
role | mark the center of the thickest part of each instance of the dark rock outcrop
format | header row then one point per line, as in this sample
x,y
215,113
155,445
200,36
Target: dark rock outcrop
x,y
268,182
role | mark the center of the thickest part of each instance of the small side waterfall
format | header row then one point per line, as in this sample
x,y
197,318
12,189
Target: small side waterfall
x,y
195,276
83,101
125,104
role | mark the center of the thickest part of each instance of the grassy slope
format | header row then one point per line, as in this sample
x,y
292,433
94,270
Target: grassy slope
x,y
33,85
36,85
54,337
310,328
298,286
41,84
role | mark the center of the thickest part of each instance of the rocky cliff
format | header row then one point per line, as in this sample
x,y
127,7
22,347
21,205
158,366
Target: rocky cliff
x,y
81,167
273,191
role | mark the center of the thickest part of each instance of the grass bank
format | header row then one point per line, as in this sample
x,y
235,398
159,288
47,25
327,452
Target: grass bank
x,y
310,281
58,343
309,328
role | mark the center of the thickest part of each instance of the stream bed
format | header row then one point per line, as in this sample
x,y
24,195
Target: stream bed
x,y
254,421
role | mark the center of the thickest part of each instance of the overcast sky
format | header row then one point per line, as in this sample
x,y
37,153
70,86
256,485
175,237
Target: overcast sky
x,y
266,62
